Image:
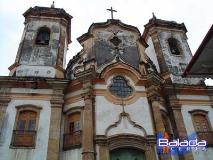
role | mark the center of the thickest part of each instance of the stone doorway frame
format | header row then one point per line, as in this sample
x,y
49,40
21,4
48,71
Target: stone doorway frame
x,y
145,144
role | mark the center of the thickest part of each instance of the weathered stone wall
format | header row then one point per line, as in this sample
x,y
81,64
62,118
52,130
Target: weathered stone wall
x,y
176,64
34,57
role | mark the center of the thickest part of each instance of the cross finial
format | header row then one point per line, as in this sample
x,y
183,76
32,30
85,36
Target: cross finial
x,y
111,10
53,5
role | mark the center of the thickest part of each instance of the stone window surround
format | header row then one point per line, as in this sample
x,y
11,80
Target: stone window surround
x,y
201,112
67,113
116,98
144,144
26,107
204,113
114,83
73,111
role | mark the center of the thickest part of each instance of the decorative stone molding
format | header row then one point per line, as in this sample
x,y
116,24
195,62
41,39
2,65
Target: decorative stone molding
x,y
134,124
128,140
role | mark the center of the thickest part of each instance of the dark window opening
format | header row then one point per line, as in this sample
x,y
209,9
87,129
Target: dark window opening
x,y
174,47
43,36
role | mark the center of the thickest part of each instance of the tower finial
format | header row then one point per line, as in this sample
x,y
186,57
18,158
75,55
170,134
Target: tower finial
x,y
153,16
53,5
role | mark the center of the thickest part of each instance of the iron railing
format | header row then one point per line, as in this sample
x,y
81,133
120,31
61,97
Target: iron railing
x,y
23,138
72,140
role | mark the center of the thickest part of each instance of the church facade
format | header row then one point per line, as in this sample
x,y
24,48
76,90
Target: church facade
x,y
111,102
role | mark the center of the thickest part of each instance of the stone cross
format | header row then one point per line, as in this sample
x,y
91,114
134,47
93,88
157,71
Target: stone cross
x,y
111,10
123,105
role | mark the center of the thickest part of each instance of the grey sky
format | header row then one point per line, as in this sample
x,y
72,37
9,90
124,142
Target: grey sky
x,y
196,14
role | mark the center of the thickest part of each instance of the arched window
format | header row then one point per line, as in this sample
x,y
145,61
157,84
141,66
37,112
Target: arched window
x,y
43,36
25,128
120,87
174,46
202,126
72,135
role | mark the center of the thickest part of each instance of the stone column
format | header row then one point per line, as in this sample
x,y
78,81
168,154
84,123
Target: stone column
x,y
159,125
150,153
55,125
178,125
102,142
88,135
181,130
154,92
104,152
150,148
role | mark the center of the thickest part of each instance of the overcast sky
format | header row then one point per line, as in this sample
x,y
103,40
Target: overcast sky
x,y
196,14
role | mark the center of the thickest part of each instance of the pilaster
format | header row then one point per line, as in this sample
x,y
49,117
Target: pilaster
x,y
154,92
159,53
55,125
88,152
177,119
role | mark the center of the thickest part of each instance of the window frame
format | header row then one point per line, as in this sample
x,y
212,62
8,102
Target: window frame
x,y
19,110
77,135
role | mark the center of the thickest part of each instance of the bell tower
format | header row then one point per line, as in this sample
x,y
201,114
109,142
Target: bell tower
x,y
168,49
44,43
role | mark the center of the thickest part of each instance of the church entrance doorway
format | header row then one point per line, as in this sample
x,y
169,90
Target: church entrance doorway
x,y
127,154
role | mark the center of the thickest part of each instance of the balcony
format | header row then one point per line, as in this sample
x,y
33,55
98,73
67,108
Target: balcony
x,y
23,138
72,140
208,136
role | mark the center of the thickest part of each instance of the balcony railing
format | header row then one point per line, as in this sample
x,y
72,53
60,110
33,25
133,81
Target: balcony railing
x,y
23,138
208,136
72,140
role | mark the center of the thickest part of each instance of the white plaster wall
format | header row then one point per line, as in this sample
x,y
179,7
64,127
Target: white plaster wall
x,y
75,154
107,114
201,155
40,151
38,71
150,51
